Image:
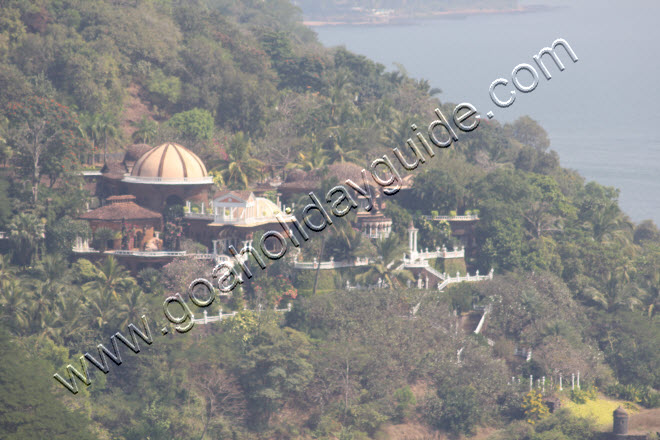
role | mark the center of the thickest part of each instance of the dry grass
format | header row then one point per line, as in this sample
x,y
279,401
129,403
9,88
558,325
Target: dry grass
x,y
600,410
647,420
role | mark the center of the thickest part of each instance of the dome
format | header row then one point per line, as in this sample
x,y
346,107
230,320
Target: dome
x,y
620,412
169,163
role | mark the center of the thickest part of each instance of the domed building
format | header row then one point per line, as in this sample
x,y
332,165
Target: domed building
x,y
137,190
166,175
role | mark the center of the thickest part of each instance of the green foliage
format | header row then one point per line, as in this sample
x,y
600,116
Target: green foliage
x,y
26,233
305,282
166,89
405,403
44,134
61,235
28,407
580,396
102,237
5,203
457,410
249,88
644,395
451,266
275,369
196,124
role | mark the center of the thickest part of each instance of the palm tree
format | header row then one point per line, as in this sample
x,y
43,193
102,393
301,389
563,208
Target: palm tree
x,y
107,127
101,237
102,294
240,167
50,270
345,240
14,304
389,250
398,131
133,306
7,271
339,143
609,224
111,278
91,127
70,320
40,306
26,233
146,130
338,92
618,291
150,281
313,159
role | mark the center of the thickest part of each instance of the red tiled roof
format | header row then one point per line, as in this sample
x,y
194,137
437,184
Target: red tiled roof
x,y
121,208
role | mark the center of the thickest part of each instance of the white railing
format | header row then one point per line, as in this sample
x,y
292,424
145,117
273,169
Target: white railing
x,y
438,253
202,256
332,264
454,218
242,221
482,321
205,216
83,250
210,319
169,180
148,253
432,271
467,278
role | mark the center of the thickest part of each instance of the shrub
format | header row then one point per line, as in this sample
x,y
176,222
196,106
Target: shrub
x,y
405,401
650,398
534,407
579,396
458,411
101,238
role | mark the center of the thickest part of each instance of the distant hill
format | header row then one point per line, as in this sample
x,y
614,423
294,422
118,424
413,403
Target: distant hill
x,y
377,10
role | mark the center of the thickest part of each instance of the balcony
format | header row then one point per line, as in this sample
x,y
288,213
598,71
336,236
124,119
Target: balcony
x,y
169,180
453,218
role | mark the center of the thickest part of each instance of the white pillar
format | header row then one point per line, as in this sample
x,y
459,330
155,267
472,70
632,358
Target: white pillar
x,y
572,381
578,380
543,385
202,210
531,382
561,388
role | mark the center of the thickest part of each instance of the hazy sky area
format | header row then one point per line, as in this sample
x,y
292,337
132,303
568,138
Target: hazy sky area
x,y
601,113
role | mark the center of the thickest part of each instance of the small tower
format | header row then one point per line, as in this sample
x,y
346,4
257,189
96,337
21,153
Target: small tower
x,y
412,241
620,426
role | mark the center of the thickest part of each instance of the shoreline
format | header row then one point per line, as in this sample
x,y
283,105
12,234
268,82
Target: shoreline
x,y
402,19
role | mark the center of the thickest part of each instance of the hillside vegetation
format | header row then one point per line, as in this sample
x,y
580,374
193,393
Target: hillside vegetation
x,y
251,91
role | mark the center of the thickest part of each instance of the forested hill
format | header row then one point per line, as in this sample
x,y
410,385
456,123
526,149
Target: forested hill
x,y
251,91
